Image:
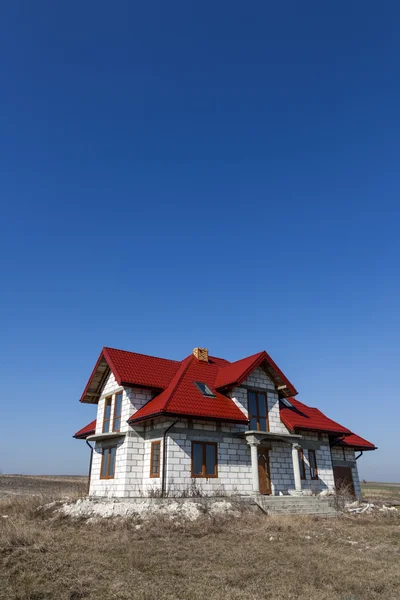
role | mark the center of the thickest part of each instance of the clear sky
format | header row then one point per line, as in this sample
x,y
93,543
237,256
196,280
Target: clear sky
x,y
181,174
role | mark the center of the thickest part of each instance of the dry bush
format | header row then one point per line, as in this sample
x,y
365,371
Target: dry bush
x,y
343,495
249,558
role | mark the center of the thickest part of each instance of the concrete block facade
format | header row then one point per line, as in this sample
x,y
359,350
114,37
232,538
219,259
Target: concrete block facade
x,y
325,479
132,468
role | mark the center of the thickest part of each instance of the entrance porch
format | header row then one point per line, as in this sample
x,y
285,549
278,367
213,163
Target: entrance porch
x,y
261,448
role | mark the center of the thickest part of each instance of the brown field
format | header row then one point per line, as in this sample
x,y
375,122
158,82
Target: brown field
x,y
249,558
384,492
46,485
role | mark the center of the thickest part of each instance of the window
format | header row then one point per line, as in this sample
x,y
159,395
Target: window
x,y
302,464
107,470
258,414
117,412
155,459
204,389
107,414
286,403
204,459
313,464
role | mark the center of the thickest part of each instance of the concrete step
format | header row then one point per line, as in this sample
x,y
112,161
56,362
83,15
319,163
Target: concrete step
x,y
297,505
301,511
299,502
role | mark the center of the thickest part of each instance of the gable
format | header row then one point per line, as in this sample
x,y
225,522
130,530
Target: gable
x,y
259,378
129,369
237,372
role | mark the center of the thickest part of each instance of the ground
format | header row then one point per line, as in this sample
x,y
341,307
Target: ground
x,y
252,557
389,492
48,485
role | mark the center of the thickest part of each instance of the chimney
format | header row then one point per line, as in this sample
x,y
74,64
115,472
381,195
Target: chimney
x,y
201,354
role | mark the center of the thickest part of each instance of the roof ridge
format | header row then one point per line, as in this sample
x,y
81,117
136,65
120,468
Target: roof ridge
x,y
245,358
186,366
140,354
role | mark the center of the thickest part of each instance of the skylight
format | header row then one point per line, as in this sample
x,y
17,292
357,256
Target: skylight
x,y
204,389
286,403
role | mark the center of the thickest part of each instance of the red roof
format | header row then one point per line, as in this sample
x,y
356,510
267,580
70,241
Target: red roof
x,y
177,394
301,416
237,372
356,442
129,368
86,431
183,397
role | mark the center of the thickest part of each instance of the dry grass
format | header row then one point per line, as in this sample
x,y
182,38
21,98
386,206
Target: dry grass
x,y
255,557
381,492
43,485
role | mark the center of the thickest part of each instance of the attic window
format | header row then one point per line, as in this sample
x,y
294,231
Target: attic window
x,y
204,389
286,403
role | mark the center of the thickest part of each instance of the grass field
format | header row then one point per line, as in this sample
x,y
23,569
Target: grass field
x,y
389,492
248,558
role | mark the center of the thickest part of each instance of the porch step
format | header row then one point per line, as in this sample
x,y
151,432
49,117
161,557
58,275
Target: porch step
x,y
297,505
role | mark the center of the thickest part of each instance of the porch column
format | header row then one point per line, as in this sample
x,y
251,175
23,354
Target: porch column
x,y
296,467
253,443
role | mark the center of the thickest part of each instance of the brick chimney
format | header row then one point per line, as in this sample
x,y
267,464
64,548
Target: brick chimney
x,y
201,354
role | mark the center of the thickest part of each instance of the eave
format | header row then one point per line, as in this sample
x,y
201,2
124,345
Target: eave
x,y
186,416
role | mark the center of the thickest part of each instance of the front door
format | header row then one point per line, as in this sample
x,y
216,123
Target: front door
x,y
263,471
344,479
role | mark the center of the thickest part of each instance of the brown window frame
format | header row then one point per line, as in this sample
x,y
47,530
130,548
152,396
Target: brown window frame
x,y
203,474
316,465
257,416
154,475
107,476
110,398
114,400
303,472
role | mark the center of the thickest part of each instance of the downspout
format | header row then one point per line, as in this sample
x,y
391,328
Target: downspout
x,y
90,463
359,456
164,465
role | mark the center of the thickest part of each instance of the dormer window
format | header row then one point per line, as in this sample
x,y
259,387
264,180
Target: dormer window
x,y
204,389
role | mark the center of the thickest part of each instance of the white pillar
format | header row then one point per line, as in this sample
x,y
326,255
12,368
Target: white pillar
x,y
254,466
296,467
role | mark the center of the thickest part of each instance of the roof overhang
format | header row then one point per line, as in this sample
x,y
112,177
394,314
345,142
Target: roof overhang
x,y
106,436
319,430
101,371
360,444
158,414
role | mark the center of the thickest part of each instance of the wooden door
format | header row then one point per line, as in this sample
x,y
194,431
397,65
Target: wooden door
x,y
263,471
344,479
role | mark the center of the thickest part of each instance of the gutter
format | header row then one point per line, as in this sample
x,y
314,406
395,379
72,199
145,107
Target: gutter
x,y
164,466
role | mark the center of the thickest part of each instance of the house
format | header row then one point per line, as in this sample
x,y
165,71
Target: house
x,y
204,423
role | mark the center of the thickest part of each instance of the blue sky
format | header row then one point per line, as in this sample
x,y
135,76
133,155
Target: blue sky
x,y
219,174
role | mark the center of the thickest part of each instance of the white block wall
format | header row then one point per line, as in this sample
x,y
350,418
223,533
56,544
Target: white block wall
x,y
325,479
132,474
234,466
132,400
129,467
258,379
109,487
